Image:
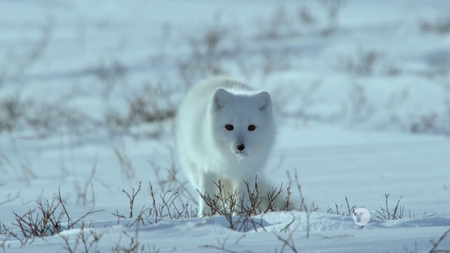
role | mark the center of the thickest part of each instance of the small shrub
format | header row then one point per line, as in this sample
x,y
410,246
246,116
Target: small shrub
x,y
279,25
11,111
209,49
149,106
394,214
440,25
332,9
50,218
239,208
363,63
361,109
45,118
350,210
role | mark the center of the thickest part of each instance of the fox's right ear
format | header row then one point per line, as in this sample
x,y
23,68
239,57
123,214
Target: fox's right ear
x,y
220,98
264,101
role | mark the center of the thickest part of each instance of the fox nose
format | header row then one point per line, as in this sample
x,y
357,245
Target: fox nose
x,y
240,147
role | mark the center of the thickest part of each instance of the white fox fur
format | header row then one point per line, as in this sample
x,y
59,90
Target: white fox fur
x,y
210,152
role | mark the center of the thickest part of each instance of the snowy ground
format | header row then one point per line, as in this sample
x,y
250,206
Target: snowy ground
x,y
88,91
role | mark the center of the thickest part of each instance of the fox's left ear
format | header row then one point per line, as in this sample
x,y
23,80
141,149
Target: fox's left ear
x,y
220,98
264,101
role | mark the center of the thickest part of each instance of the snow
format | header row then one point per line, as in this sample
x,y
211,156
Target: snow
x,y
349,133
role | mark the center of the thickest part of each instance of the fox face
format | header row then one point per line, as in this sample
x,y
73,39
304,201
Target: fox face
x,y
242,123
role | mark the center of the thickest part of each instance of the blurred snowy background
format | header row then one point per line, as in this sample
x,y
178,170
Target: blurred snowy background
x,y
83,67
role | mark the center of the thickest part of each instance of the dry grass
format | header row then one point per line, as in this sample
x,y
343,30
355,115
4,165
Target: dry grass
x,y
44,118
280,24
298,108
361,108
394,214
149,111
287,21
440,25
332,9
82,190
362,63
51,218
19,164
209,50
48,219
19,62
439,243
350,210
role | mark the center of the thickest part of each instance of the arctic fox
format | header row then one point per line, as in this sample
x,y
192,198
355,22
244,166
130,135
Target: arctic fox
x,y
225,131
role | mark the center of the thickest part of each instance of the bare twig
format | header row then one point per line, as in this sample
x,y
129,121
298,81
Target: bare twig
x,y
436,244
131,198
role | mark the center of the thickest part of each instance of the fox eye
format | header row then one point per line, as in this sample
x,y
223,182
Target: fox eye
x,y
229,127
251,127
